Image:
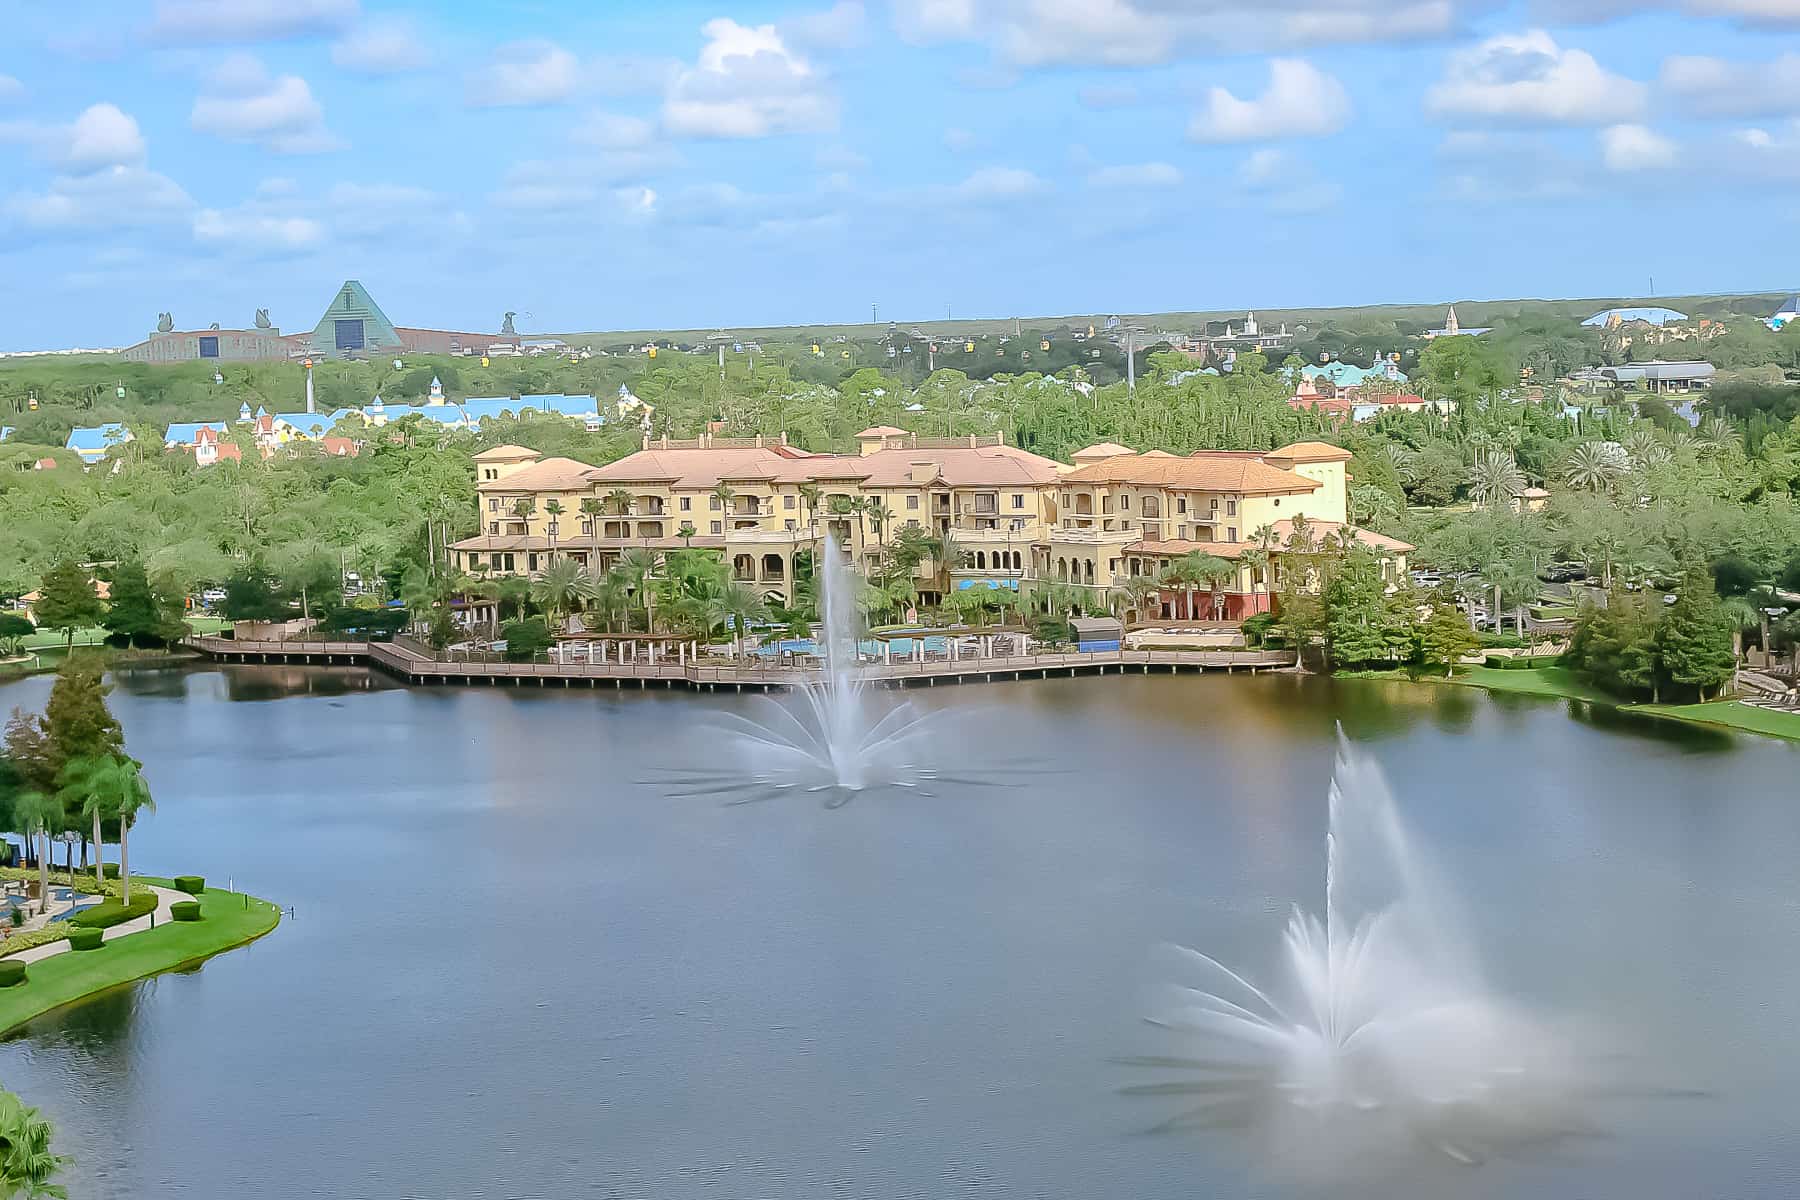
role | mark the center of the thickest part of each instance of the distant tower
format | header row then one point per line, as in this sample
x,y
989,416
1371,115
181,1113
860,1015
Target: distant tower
x,y
1250,325
309,387
437,391
244,411
1452,326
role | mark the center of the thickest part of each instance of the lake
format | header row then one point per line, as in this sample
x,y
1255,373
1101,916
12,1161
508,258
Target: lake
x,y
517,968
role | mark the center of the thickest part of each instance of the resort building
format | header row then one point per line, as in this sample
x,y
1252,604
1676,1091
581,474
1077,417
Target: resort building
x,y
1012,516
92,442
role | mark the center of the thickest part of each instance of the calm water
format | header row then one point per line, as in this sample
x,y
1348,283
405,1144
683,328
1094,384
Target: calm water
x,y
516,970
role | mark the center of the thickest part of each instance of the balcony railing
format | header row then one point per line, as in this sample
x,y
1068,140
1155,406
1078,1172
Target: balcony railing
x,y
1095,537
773,537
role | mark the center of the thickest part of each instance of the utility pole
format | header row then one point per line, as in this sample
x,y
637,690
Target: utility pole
x,y
874,314
1130,362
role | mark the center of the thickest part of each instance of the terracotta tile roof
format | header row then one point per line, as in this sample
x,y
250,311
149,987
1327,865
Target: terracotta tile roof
x,y
1100,450
1309,452
520,541
1284,532
968,466
506,453
550,475
1245,474
875,431
1176,547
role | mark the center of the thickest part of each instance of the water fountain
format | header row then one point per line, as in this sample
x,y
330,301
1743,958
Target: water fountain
x,y
1383,1038
834,735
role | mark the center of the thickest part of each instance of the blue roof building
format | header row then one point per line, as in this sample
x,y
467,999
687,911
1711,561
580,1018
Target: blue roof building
x,y
308,425
5,432
181,433
92,442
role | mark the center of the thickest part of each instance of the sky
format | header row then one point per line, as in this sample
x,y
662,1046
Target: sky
x,y
612,165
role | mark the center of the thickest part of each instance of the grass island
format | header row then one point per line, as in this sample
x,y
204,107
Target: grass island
x,y
227,920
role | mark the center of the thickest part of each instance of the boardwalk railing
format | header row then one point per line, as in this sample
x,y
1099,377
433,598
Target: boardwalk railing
x,y
412,661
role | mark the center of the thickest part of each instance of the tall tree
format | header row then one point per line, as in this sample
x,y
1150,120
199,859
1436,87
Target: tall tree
x,y
28,1166
67,601
1693,641
76,719
37,813
139,615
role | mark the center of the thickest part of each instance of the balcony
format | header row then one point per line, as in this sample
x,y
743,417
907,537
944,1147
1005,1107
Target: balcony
x,y
993,537
1095,537
773,537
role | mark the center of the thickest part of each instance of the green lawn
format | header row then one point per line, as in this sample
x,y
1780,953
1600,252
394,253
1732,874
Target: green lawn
x,y
1540,681
1729,714
228,919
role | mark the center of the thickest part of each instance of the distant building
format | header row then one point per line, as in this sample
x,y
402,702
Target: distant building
x,y
6,431
91,442
1454,328
210,446
222,345
1613,317
1789,311
1653,376
184,433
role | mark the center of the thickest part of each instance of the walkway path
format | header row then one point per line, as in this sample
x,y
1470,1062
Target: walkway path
x,y
164,898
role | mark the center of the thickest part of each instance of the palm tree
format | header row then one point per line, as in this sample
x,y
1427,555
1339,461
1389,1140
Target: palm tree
x,y
553,509
106,786
744,605
686,534
591,509
27,1165
556,587
523,507
949,554
621,501
880,516
1595,466
1137,590
639,569
1495,480
1742,615
36,812
724,495
809,496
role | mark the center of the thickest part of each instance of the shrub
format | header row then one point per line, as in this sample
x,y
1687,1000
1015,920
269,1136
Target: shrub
x,y
18,918
185,910
108,913
193,885
1503,641
1256,628
112,870
85,938
1535,663
526,639
12,972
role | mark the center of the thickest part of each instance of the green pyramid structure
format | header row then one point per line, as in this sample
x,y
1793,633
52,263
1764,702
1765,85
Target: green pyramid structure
x,y
353,325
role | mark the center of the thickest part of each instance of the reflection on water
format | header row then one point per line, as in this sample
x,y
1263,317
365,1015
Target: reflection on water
x,y
516,971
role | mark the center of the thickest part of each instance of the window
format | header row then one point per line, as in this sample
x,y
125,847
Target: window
x,y
531,562
209,347
1125,502
493,504
787,502
712,502
1018,499
1215,503
1231,508
1231,533
1181,504
494,528
912,502
718,527
509,563
687,504
1278,502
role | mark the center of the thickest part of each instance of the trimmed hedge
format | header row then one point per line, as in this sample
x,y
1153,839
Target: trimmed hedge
x,y
12,972
1536,662
108,913
193,885
85,938
112,870
185,910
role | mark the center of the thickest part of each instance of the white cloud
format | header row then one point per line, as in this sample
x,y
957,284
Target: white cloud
x,y
101,137
1300,101
998,183
747,83
1716,87
257,232
1137,32
244,103
113,197
1749,12
1635,148
526,73
836,28
1136,176
610,131
381,46
1274,181
11,90
1526,78
190,22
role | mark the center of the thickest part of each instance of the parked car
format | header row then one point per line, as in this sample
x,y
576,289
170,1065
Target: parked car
x,y
212,597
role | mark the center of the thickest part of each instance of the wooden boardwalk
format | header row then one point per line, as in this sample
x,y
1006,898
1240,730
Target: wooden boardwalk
x,y
414,666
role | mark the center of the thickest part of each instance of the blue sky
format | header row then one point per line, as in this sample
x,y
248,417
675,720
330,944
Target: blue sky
x,y
613,165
